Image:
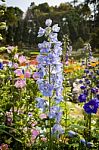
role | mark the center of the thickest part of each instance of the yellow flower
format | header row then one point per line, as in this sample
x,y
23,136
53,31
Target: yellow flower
x,y
21,76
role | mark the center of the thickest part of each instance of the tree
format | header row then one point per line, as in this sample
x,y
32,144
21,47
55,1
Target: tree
x,y
74,2
79,43
2,23
2,27
44,7
13,17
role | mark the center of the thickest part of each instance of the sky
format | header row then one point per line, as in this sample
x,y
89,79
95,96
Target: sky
x,y
24,4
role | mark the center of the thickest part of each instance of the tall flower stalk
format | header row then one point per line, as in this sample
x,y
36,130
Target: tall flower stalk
x,y
89,97
50,77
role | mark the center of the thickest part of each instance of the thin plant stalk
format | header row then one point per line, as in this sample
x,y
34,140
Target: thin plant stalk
x,y
50,138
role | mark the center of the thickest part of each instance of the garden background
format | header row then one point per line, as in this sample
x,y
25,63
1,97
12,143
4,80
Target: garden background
x,y
49,76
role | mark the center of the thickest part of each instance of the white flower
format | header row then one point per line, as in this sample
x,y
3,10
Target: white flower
x,y
48,22
55,28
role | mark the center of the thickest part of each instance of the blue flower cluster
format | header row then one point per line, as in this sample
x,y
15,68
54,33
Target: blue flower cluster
x,y
87,89
87,48
49,73
73,134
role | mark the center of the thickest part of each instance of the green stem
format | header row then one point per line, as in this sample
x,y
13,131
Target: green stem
x,y
65,111
89,128
86,61
12,91
13,99
50,138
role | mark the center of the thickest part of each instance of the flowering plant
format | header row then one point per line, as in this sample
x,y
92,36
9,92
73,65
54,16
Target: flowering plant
x,y
50,75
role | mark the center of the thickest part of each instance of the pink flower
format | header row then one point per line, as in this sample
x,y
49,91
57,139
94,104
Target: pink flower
x,y
35,133
67,62
43,116
44,139
4,147
8,120
15,65
18,72
20,83
16,56
10,49
34,124
22,59
35,75
27,74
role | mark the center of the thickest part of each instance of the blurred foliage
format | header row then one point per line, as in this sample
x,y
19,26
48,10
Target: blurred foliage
x,y
76,20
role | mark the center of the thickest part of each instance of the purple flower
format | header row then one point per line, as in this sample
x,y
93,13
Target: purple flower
x,y
58,116
48,22
20,83
35,133
94,77
40,59
86,71
83,141
89,144
94,90
87,81
51,59
55,113
67,56
90,55
27,74
15,65
80,81
57,129
45,44
46,89
82,98
41,32
72,133
58,44
58,99
53,37
86,92
44,50
22,59
59,91
91,106
83,62
83,87
36,75
1,66
10,64
41,103
97,100
84,76
55,28
57,50
18,72
50,73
